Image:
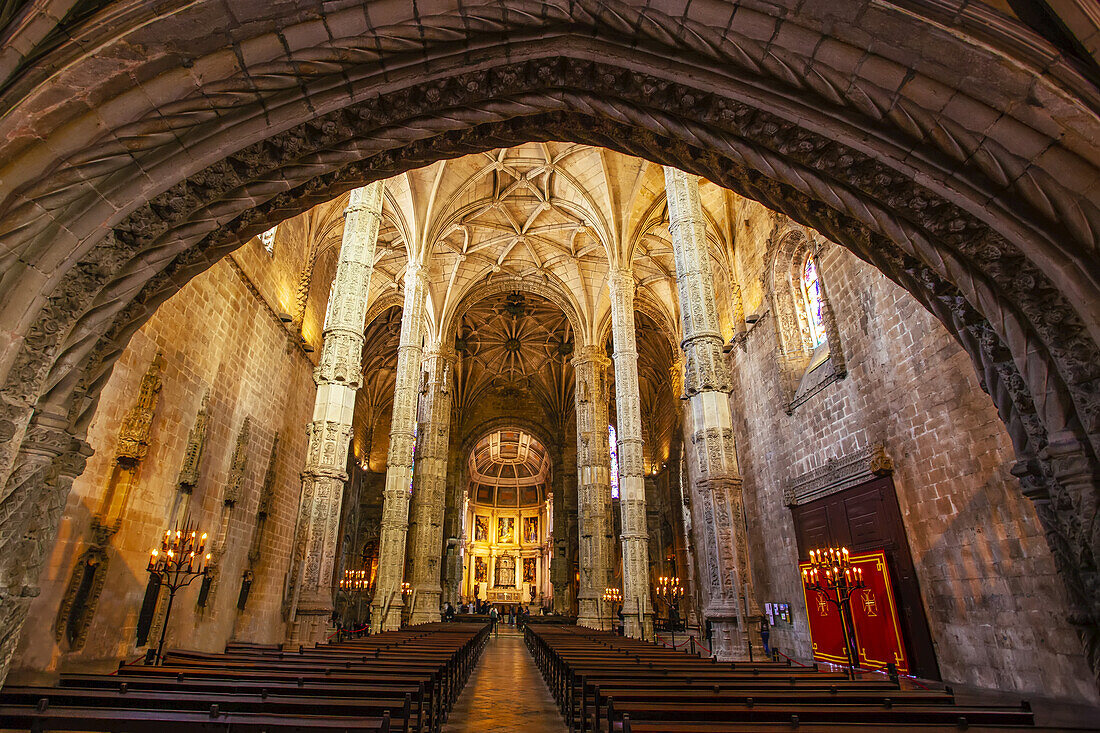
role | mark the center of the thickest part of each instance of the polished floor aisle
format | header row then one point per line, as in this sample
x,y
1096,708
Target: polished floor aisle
x,y
505,693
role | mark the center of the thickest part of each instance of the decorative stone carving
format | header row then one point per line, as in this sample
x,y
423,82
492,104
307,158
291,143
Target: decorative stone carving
x,y
837,474
386,605
429,485
238,467
90,572
593,490
730,596
309,600
637,604
133,435
188,477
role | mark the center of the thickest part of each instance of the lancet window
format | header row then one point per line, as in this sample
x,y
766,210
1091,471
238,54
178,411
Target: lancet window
x,y
267,239
811,298
809,357
613,444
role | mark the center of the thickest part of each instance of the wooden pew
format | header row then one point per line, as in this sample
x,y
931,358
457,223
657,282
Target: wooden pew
x,y
45,718
606,683
399,681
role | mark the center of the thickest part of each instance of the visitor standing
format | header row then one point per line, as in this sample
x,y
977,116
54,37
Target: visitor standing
x,y
494,616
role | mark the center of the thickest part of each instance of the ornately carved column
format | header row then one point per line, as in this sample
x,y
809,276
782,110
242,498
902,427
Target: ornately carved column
x,y
429,488
387,602
593,487
559,565
727,572
34,498
338,376
637,605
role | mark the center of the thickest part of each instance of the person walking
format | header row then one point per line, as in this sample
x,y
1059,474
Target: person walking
x,y
494,616
765,635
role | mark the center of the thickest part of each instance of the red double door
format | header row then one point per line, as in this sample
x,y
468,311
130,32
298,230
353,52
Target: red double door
x,y
889,620
874,626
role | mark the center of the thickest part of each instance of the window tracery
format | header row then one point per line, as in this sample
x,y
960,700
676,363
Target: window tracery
x,y
811,296
613,444
809,350
267,239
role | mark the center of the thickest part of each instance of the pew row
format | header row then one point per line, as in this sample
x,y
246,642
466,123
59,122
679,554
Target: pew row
x,y
608,683
404,681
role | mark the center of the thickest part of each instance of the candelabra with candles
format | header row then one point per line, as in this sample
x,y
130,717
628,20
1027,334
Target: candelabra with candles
x,y
669,590
180,559
831,571
611,596
356,585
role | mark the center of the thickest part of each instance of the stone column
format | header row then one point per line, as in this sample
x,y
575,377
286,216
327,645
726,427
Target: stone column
x,y
559,540
727,572
387,602
429,489
637,605
594,486
338,375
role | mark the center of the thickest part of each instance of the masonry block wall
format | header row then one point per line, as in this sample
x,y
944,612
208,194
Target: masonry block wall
x,y
995,605
220,335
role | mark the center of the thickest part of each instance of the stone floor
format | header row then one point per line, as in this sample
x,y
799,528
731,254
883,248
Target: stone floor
x,y
505,693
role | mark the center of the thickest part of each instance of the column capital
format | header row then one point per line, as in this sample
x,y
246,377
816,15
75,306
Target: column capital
x,y
621,281
366,198
590,355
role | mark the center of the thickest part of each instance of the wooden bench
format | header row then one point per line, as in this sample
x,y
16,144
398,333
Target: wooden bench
x,y
606,683
398,681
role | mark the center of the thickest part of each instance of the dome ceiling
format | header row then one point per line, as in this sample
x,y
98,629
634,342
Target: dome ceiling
x,y
508,468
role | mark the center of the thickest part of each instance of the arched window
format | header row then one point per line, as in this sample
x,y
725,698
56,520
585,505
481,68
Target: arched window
x,y
809,354
811,297
268,240
613,442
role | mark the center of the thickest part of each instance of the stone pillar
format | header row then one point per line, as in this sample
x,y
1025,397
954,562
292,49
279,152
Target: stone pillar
x,y
727,572
429,489
338,375
387,603
637,605
34,499
594,487
558,571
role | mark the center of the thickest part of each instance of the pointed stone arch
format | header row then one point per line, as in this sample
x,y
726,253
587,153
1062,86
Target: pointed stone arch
x,y
986,212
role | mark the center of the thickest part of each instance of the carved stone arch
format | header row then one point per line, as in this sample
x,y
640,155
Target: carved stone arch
x,y
473,434
645,303
476,432
995,239
381,304
552,290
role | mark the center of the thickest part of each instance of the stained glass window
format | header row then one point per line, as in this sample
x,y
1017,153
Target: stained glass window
x,y
811,293
268,240
412,474
614,443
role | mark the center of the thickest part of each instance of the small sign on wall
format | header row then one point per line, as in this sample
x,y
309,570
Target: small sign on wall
x,y
778,613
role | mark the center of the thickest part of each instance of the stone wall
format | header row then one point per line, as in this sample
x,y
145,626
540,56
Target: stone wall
x,y
995,605
219,335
